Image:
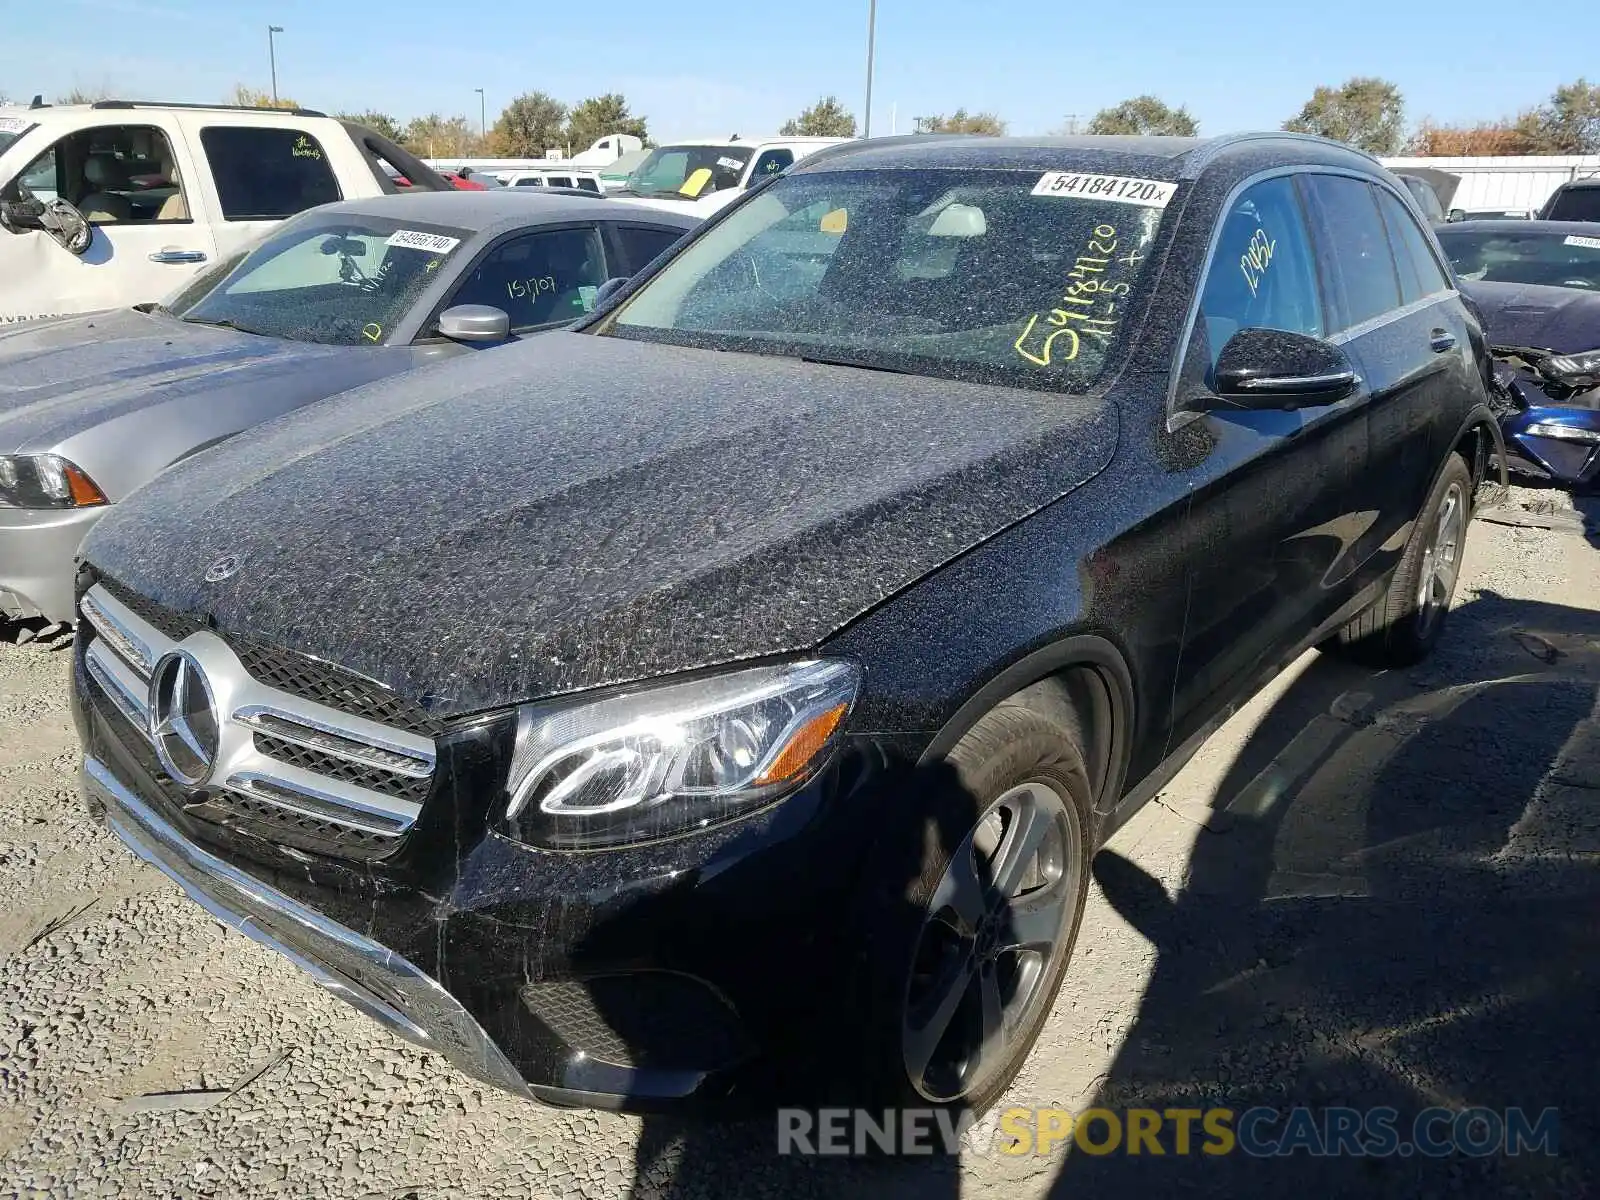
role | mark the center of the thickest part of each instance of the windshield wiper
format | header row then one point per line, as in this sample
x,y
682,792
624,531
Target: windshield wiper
x,y
225,323
826,361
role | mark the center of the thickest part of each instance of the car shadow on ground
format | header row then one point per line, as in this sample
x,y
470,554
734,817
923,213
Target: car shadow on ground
x,y
1399,910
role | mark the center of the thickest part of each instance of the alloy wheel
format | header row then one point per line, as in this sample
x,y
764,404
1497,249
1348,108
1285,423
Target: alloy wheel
x,y
996,927
1441,561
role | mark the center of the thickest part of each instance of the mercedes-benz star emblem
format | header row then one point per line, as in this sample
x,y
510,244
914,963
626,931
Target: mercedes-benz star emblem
x,y
183,719
225,567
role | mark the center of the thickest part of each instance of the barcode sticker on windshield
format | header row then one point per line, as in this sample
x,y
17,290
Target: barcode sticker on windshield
x,y
412,239
13,124
1119,189
1588,242
732,164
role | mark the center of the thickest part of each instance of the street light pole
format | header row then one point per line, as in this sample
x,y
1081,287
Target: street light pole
x,y
872,37
483,115
272,57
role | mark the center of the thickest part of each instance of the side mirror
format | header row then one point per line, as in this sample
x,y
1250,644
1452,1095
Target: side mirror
x,y
67,225
475,323
609,289
1274,369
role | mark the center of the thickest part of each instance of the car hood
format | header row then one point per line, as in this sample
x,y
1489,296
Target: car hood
x,y
60,377
1566,320
525,523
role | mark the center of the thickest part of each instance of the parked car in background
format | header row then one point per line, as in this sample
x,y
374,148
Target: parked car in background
x,y
1537,285
111,204
615,175
93,407
705,177
584,181
739,686
1575,200
1491,214
1431,188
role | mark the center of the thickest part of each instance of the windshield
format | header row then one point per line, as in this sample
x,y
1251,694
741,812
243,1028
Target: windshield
x,y
992,276
337,278
1552,259
686,172
11,128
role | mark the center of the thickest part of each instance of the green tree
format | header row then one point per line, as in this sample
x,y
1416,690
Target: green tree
x,y
249,97
434,136
1365,112
530,125
376,121
599,115
962,121
826,118
1145,115
1568,123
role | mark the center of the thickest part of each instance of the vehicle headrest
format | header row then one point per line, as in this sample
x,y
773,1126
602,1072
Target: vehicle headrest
x,y
104,171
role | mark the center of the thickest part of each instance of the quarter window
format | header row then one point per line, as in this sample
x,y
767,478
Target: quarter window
x,y
1359,247
539,278
1420,272
770,163
1263,275
266,174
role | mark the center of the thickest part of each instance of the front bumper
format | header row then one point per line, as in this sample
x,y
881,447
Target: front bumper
x,y
356,969
37,547
674,976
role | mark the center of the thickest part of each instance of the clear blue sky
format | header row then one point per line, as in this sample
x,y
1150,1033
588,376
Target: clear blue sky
x,y
721,67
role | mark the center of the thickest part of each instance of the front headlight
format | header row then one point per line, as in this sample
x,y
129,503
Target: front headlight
x,y
1564,433
45,481
1587,363
652,764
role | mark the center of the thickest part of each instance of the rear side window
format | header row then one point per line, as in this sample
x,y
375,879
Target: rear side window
x,y
1358,246
641,245
1420,272
1262,275
268,174
1575,204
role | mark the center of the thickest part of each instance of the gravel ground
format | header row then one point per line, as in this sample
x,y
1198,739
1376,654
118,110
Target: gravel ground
x,y
1366,890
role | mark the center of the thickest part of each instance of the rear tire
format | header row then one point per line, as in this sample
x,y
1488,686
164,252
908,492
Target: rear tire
x,y
962,964
1405,624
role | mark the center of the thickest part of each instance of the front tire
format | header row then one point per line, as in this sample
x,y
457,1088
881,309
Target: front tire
x,y
963,964
1404,625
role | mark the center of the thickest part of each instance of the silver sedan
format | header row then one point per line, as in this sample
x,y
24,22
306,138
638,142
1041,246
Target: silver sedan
x,y
93,407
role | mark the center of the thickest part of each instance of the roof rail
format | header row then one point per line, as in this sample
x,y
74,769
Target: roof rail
x,y
293,112
1206,153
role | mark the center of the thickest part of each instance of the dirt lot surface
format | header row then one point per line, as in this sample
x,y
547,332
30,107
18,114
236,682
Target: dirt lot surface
x,y
1367,890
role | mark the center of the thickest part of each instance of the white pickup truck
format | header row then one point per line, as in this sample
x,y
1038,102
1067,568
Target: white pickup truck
x,y
118,203
703,177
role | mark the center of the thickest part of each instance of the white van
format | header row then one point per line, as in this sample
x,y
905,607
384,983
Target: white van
x,y
112,204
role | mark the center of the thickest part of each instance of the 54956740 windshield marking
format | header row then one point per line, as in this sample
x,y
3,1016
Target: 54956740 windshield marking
x,y
1257,257
1591,243
1119,189
415,239
1090,300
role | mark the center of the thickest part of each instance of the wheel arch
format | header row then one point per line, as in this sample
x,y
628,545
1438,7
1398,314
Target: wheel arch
x,y
1083,679
1481,443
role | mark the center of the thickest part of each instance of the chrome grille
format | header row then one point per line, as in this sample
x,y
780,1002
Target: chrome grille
x,y
301,770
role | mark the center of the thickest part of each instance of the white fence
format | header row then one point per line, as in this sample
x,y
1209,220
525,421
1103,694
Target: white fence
x,y
1507,182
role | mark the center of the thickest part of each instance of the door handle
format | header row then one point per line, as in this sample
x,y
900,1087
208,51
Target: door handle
x,y
178,256
1441,340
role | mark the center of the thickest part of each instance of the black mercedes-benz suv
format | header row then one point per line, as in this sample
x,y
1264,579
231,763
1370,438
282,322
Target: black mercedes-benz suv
x,y
735,689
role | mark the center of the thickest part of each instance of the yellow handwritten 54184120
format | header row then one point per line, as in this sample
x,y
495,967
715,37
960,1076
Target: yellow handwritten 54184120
x,y
1089,305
